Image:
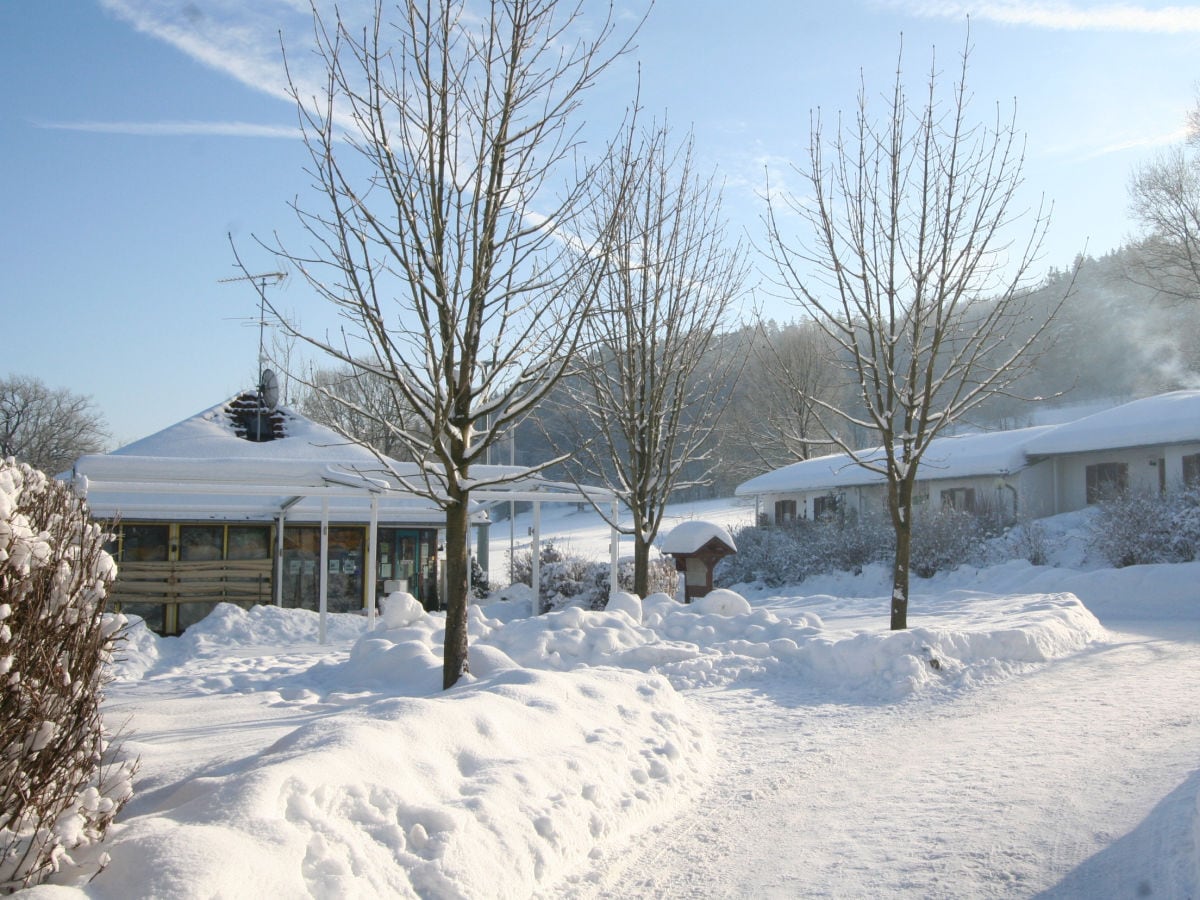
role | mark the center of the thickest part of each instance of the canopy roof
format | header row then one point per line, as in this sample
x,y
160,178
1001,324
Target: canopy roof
x,y
205,468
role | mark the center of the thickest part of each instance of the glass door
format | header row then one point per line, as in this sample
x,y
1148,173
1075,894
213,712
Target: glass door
x,y
301,561
408,562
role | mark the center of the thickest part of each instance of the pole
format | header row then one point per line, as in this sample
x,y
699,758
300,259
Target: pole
x,y
323,575
372,568
535,551
512,511
279,560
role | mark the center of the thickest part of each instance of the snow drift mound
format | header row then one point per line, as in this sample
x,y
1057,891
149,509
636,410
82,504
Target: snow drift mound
x,y
489,790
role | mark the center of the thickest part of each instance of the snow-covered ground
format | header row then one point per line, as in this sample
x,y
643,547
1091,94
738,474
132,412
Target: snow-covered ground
x,y
1035,733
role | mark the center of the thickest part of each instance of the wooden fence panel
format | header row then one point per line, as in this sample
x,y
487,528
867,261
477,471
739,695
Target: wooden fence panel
x,y
234,581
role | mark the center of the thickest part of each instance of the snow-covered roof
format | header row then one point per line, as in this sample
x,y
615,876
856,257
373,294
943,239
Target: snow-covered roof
x,y
212,434
1170,418
688,537
201,468
957,456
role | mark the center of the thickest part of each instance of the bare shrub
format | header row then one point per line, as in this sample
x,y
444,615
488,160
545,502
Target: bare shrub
x,y
59,784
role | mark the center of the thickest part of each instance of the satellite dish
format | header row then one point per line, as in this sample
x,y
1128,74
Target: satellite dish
x,y
268,390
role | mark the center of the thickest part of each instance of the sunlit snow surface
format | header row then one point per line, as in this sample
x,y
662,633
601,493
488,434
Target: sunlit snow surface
x,y
275,766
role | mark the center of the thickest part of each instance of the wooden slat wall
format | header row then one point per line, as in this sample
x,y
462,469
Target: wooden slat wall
x,y
193,582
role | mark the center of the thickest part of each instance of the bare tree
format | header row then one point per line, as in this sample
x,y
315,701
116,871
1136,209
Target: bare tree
x,y
650,392
360,404
45,427
912,273
1165,197
442,144
782,423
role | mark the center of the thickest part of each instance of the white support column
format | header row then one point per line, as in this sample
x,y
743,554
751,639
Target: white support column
x,y
372,567
614,551
323,575
535,551
279,560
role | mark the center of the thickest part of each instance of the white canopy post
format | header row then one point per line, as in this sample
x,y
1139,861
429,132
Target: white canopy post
x,y
279,560
535,553
372,569
323,574
614,551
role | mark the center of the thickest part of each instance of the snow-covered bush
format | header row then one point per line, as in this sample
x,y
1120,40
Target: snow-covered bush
x,y
848,543
1137,528
1027,541
59,785
479,582
569,579
787,554
772,555
1185,523
944,539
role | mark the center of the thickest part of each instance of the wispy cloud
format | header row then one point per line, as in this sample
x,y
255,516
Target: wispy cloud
x,y
242,40
239,39
1063,16
1122,146
177,129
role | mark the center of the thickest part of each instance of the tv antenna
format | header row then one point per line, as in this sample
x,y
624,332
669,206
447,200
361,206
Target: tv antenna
x,y
267,383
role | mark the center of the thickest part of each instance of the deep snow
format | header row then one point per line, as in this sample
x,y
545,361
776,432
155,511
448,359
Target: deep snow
x,y
1008,744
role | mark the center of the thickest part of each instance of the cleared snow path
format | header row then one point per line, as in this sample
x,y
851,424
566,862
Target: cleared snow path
x,y
1078,779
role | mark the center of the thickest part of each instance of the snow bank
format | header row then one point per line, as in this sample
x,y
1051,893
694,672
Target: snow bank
x,y
622,601
490,790
571,734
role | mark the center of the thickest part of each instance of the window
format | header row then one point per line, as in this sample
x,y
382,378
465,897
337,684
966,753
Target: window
x,y
1106,480
824,507
140,547
201,543
302,556
1191,469
785,511
249,542
144,543
962,499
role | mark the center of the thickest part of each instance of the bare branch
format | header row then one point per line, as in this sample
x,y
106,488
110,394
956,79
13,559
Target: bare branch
x,y
446,229
915,273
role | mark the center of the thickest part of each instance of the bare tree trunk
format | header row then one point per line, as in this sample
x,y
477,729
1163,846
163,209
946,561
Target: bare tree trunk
x,y
900,503
641,565
455,661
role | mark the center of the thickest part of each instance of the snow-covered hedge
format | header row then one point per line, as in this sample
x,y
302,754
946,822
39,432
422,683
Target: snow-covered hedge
x,y
1141,529
59,788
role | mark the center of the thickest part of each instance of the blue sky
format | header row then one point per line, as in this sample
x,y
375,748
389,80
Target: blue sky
x,y
135,134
